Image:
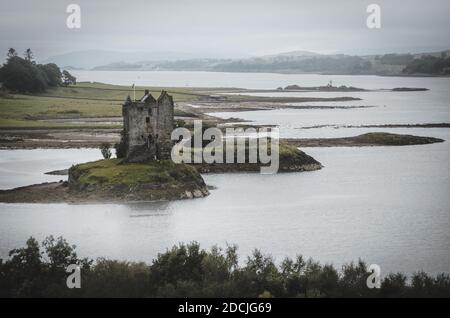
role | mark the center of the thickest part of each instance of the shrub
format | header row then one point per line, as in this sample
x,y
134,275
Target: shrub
x,y
68,79
186,270
105,149
180,123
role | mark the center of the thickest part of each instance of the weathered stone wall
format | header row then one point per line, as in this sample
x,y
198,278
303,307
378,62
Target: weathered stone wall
x,y
148,125
165,124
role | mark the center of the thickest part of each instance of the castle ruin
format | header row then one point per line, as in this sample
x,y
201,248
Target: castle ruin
x,y
148,124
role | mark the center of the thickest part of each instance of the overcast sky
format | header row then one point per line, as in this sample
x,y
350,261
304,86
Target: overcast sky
x,y
225,28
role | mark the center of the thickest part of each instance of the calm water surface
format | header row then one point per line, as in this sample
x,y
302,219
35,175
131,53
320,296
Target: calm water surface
x,y
247,80
387,205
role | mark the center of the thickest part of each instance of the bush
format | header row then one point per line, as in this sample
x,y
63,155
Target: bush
x,y
186,270
68,79
180,123
105,148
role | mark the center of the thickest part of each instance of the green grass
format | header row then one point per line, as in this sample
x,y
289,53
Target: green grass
x,y
388,139
100,91
114,172
7,123
288,151
83,100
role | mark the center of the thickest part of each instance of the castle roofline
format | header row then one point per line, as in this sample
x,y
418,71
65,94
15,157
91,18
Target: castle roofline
x,y
164,95
147,99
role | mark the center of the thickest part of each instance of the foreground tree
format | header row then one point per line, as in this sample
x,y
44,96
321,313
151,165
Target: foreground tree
x,y
186,270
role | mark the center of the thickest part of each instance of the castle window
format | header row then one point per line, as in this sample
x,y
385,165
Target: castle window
x,y
147,119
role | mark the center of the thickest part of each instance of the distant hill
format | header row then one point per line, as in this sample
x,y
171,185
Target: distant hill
x,y
291,54
298,53
286,62
92,58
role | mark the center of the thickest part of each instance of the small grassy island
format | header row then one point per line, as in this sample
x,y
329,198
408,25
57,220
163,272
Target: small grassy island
x,y
365,140
291,159
148,181
112,180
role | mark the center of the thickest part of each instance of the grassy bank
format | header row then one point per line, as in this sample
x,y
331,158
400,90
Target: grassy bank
x,y
84,100
58,107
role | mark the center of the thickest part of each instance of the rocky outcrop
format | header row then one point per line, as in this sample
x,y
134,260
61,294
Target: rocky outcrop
x,y
365,140
291,159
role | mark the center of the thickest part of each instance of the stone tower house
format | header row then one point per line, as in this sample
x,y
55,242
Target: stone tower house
x,y
148,124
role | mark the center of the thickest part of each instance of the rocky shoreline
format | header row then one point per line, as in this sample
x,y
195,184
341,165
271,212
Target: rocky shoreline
x,y
60,192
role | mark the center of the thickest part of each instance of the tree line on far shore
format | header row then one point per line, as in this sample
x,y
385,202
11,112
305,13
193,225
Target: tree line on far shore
x,y
189,271
430,65
24,75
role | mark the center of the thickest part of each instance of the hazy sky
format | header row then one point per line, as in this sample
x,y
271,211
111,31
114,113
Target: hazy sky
x,y
225,28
